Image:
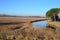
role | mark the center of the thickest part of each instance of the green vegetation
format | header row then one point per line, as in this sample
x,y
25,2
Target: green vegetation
x,y
52,11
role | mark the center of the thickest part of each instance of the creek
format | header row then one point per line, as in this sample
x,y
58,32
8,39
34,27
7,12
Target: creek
x,y
40,24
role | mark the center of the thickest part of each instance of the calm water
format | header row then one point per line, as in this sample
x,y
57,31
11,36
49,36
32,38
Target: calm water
x,y
40,23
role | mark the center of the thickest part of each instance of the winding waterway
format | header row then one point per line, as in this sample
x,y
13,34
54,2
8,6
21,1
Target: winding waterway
x,y
40,24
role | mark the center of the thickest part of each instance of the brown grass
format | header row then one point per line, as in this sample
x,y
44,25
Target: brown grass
x,y
27,33
24,31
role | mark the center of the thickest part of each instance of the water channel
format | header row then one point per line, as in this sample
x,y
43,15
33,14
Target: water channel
x,y
40,24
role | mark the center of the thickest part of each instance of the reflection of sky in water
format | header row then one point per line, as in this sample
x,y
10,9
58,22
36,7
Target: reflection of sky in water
x,y
40,24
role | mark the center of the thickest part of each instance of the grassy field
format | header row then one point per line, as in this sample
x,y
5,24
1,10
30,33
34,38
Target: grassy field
x,y
11,29
18,32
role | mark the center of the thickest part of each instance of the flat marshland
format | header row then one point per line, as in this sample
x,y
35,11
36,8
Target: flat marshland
x,y
16,28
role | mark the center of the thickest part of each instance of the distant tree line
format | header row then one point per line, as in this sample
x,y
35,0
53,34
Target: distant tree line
x,y
4,15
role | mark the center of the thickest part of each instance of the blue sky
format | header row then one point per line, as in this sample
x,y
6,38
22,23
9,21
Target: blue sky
x,y
27,7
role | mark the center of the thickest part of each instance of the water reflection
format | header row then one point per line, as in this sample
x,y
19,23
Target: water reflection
x,y
40,24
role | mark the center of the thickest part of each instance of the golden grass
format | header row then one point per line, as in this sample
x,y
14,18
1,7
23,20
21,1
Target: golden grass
x,y
54,24
27,33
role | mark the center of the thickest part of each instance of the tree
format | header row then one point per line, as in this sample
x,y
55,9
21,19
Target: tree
x,y
52,12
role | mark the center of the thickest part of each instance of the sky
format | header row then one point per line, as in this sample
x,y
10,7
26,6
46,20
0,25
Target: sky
x,y
27,7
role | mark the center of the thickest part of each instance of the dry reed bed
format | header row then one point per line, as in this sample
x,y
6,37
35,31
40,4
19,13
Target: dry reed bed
x,y
30,33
